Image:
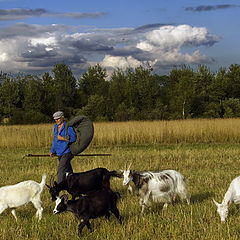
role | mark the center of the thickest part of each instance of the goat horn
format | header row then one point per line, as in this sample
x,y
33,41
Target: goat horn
x,y
129,166
216,203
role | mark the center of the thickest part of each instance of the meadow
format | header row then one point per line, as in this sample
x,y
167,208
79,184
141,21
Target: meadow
x,y
206,152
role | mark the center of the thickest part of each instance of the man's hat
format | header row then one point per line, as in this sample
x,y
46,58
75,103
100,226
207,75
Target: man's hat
x,y
58,115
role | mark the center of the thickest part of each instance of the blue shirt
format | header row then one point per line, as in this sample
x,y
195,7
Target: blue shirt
x,y
60,147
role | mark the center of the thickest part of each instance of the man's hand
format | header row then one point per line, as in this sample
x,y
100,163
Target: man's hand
x,y
61,138
52,154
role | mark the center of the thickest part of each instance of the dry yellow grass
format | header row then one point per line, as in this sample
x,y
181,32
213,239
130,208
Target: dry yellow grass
x,y
155,132
25,135
132,132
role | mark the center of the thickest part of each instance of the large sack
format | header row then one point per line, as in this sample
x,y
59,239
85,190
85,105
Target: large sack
x,y
84,130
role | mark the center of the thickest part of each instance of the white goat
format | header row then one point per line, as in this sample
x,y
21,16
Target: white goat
x,y
13,196
231,196
163,186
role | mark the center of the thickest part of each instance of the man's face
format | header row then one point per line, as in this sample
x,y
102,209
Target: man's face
x,y
59,120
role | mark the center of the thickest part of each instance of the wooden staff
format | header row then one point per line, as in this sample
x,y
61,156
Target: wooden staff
x,y
78,155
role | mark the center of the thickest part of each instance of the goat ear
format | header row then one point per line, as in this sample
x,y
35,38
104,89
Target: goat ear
x,y
216,203
65,198
51,180
47,186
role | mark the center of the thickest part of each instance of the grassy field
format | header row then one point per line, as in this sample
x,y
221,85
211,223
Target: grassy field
x,y
206,152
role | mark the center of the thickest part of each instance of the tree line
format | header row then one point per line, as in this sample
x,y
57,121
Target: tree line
x,y
133,94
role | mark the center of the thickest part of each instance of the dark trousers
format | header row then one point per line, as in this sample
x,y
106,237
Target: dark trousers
x,y
64,166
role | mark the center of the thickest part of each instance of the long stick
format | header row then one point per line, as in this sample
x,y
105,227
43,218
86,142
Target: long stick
x,y
79,155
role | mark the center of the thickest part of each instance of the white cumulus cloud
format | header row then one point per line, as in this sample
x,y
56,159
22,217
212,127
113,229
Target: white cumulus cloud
x,y
26,47
166,43
168,37
120,62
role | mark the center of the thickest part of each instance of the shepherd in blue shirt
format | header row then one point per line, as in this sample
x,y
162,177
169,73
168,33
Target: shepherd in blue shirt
x,y
60,145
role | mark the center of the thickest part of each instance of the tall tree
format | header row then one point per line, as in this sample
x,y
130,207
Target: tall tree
x,y
118,89
9,96
144,91
233,85
48,98
33,91
181,92
218,92
93,82
203,80
65,86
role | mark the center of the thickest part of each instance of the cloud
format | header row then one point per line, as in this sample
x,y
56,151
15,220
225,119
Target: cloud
x,y
120,62
22,30
150,26
89,45
19,13
170,37
22,13
204,8
37,48
80,15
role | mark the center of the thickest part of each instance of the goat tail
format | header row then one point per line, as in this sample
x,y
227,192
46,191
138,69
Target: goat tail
x,y
115,174
182,189
42,183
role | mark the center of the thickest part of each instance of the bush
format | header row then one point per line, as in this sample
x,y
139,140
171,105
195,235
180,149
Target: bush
x,y
30,117
232,107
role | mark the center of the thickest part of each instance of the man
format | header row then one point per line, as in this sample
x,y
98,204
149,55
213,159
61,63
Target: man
x,y
60,145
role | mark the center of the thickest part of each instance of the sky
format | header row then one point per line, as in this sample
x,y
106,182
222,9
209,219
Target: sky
x,y
36,35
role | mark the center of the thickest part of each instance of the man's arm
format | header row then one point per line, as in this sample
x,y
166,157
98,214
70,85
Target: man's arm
x,y
72,135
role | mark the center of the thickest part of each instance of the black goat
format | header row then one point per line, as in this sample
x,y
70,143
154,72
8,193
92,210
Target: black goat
x,y
88,207
83,183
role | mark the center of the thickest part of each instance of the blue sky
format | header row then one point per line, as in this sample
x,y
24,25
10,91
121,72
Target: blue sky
x,y
35,35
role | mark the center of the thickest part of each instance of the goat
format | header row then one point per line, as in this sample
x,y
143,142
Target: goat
x,y
13,196
92,206
231,196
83,183
163,186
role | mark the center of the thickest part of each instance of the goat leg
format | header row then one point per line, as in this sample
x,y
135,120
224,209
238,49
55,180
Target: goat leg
x,y
80,227
14,213
107,215
89,226
116,213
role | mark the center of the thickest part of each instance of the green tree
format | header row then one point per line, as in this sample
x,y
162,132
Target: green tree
x,y
232,107
33,91
9,96
125,113
96,108
65,87
93,82
203,80
233,83
119,90
144,91
218,92
181,92
48,97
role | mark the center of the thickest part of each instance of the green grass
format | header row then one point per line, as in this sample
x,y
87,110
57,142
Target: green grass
x,y
209,169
